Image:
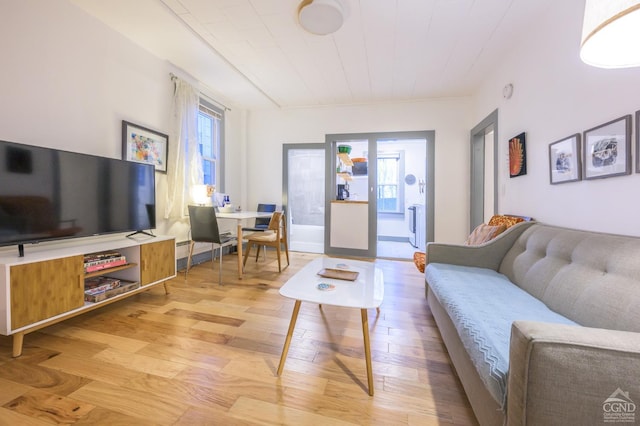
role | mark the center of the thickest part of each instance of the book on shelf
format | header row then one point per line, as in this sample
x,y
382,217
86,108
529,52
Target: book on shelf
x,y
124,287
97,265
96,285
91,257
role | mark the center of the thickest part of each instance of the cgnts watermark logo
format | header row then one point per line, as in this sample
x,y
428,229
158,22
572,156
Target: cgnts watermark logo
x,y
619,408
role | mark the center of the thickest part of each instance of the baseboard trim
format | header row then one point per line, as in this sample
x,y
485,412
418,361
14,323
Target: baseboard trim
x,y
202,257
392,238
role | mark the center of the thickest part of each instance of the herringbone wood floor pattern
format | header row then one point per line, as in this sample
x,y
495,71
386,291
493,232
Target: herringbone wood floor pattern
x,y
207,354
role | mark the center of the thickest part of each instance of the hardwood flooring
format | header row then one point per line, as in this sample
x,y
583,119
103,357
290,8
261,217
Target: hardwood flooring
x,y
207,354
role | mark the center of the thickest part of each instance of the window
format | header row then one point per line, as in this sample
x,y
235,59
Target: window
x,y
390,192
210,140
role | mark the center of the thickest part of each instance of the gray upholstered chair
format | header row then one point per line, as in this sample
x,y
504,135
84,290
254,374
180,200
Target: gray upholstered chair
x,y
204,229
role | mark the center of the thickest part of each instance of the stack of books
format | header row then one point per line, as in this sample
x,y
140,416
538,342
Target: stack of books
x,y
97,289
99,261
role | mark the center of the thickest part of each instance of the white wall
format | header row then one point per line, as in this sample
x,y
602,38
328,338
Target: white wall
x,y
268,130
68,81
556,95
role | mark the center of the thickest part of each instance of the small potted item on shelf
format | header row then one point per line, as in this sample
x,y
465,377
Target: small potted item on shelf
x,y
359,166
344,149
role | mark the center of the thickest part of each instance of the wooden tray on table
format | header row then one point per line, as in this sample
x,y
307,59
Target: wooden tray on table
x,y
339,274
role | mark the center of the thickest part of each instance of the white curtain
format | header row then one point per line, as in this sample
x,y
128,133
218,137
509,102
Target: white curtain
x,y
184,168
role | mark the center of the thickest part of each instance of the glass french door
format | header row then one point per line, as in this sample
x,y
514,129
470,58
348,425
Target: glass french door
x,y
401,197
350,190
380,198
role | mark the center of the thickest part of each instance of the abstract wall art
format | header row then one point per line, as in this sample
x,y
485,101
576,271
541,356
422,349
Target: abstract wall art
x,y
517,156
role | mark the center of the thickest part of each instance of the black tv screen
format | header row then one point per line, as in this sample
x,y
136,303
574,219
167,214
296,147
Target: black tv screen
x,y
50,194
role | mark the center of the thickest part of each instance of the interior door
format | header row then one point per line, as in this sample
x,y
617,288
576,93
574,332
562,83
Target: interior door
x,y
401,197
348,230
484,171
351,225
304,194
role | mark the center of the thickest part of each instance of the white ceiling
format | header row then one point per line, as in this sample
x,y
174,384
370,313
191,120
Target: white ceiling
x,y
254,53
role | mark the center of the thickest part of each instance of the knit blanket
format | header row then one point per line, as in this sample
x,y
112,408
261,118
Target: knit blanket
x,y
482,304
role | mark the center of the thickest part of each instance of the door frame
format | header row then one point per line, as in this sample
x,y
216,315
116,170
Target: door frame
x,y
477,169
331,182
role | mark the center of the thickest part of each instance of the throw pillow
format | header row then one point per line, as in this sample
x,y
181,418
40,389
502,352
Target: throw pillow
x,y
420,258
507,221
484,233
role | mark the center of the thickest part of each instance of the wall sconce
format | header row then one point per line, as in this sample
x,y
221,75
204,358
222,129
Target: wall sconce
x,y
610,33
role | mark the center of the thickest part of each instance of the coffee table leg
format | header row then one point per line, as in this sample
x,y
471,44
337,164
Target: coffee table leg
x,y
367,348
287,342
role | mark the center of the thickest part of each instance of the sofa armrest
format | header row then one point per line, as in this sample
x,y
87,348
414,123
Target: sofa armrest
x,y
487,255
562,374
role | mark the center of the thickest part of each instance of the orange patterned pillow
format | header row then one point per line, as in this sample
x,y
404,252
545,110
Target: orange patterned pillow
x,y
484,233
420,258
507,221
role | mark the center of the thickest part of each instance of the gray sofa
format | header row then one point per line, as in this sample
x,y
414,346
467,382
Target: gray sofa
x,y
542,324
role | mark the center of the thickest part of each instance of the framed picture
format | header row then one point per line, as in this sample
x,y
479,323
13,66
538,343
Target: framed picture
x,y
517,156
565,163
144,145
607,149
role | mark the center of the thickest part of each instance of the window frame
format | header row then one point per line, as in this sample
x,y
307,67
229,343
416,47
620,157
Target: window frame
x,y
218,116
399,157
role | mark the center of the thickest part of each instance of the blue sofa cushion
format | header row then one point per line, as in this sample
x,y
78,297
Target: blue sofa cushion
x,y
482,304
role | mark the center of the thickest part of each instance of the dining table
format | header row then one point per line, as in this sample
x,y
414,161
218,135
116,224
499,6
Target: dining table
x,y
240,217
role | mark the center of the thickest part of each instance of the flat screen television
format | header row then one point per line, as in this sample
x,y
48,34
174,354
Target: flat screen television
x,y
48,194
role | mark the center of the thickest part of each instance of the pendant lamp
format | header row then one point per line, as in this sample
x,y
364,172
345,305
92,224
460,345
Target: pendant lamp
x,y
611,33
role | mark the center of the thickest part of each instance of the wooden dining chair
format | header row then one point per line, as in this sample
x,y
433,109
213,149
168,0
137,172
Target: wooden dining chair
x,y
204,229
262,223
275,236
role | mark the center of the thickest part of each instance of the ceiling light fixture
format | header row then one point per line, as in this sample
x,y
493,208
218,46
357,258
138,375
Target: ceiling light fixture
x,y
610,33
321,17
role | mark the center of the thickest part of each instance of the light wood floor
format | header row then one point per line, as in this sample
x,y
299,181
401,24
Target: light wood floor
x,y
206,354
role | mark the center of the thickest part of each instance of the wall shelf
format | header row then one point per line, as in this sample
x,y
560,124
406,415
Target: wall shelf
x,y
109,270
346,160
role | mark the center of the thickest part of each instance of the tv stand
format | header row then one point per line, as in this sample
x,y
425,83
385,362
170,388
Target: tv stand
x,y
48,286
21,250
150,234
